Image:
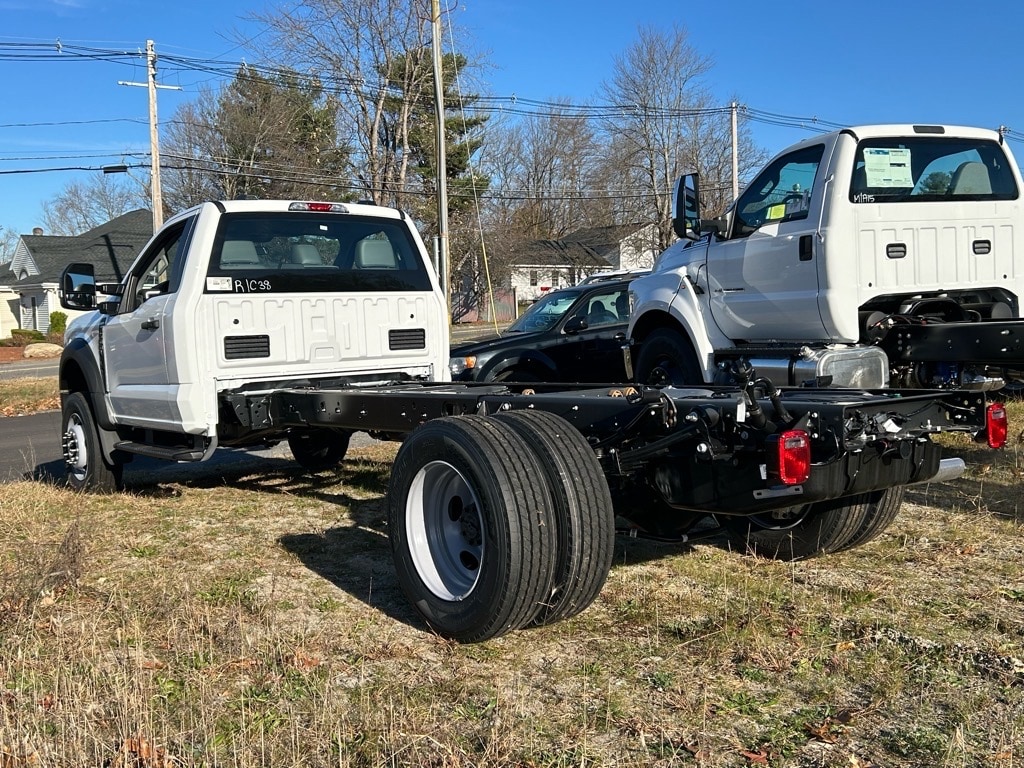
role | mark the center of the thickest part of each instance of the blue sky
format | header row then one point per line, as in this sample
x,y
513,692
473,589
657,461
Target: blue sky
x,y
896,61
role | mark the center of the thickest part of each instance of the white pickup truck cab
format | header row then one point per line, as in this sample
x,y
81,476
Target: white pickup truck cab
x,y
867,255
233,297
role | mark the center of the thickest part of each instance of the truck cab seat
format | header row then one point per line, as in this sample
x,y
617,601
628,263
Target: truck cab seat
x,y
598,314
375,254
238,254
305,254
970,178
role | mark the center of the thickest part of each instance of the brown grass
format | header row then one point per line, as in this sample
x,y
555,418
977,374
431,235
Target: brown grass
x,y
30,395
255,620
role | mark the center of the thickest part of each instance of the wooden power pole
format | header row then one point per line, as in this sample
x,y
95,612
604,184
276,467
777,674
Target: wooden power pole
x,y
735,154
154,136
442,172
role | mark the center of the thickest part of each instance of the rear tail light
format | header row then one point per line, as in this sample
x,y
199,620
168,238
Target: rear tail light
x,y
995,425
789,456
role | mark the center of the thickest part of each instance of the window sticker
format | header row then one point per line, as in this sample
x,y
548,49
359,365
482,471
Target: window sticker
x,y
888,167
218,284
776,211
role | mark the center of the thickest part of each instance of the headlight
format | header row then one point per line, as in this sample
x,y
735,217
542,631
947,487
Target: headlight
x,y
459,364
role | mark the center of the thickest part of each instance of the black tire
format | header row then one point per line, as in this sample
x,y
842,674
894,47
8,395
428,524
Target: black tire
x,y
667,359
801,532
472,527
583,509
880,509
318,449
87,469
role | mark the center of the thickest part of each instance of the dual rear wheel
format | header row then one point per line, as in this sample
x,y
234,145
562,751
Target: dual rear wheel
x,y
499,523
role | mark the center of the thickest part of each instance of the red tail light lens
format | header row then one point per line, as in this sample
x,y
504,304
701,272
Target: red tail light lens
x,y
318,207
790,457
996,425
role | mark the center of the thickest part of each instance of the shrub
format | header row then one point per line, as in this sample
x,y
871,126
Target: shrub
x,y
58,322
26,335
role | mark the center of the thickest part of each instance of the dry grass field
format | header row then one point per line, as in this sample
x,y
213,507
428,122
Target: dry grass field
x,y
255,620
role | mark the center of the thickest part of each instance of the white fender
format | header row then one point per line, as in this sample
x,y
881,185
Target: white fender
x,y
665,294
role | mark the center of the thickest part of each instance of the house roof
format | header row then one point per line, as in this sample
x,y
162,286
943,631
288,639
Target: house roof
x,y
554,253
110,248
590,247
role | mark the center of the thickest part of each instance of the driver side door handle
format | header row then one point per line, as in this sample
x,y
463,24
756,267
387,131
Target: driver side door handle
x,y
150,325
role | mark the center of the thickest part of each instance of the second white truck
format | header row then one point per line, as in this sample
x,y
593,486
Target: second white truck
x,y
871,256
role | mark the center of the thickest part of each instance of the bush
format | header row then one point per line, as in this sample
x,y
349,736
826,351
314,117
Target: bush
x,y
25,336
58,322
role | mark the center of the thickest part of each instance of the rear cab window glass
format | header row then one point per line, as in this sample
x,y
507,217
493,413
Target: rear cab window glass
x,y
300,252
930,168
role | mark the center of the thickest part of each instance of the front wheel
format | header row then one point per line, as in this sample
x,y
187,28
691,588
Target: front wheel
x,y
667,359
472,527
80,440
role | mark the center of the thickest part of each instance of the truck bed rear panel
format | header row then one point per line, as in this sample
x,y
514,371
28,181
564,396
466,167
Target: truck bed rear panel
x,y
307,334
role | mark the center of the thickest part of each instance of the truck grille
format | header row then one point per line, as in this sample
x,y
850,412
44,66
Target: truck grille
x,y
242,347
413,338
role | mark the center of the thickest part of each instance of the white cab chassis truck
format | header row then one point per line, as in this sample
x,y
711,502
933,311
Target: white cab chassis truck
x,y
874,255
246,323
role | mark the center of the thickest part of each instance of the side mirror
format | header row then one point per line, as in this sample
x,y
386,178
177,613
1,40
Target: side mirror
x,y
78,287
686,221
575,324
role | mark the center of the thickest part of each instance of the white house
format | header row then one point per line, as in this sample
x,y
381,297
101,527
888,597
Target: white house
x,y
539,266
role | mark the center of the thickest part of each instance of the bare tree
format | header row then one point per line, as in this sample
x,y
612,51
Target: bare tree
x,y
192,142
657,85
8,242
667,124
544,167
366,50
80,206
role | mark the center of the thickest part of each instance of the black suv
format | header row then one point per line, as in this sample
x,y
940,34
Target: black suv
x,y
570,335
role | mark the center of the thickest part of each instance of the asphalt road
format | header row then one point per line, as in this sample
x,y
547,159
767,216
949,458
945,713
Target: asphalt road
x,y
30,369
30,449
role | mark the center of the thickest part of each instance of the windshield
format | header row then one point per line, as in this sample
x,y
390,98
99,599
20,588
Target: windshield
x,y
545,313
929,168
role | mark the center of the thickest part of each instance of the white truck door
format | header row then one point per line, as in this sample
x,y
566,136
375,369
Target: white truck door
x,y
140,372
763,278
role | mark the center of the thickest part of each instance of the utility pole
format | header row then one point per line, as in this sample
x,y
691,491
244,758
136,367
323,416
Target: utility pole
x,y
154,138
442,172
735,155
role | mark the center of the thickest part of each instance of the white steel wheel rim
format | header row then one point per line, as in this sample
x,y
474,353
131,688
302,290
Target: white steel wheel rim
x,y
75,437
442,520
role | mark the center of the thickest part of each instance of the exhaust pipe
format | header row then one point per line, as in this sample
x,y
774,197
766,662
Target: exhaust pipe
x,y
949,469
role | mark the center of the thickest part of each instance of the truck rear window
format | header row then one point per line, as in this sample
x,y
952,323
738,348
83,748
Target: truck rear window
x,y
314,252
929,168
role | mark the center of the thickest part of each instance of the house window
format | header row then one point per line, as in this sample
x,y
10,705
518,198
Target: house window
x,y
555,277
533,277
